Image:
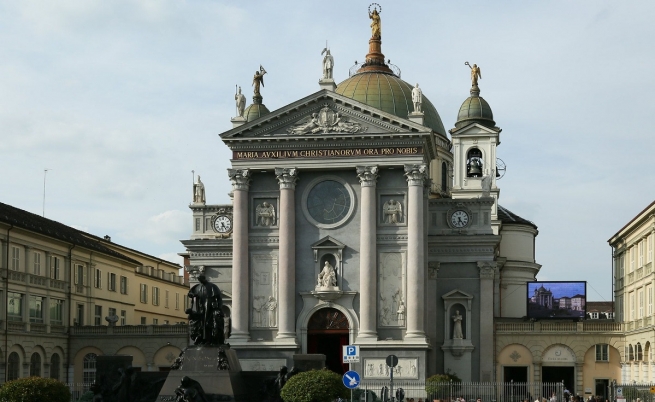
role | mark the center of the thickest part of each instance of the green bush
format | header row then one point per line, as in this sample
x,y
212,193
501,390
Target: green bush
x,y
439,385
34,389
314,386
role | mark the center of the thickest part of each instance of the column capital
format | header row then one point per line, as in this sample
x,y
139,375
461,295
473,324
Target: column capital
x,y
487,269
433,269
368,175
287,177
240,178
416,174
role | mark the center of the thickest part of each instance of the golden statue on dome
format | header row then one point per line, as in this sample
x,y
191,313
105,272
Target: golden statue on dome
x,y
376,24
475,74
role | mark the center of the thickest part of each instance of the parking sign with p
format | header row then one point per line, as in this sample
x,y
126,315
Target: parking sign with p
x,y
351,354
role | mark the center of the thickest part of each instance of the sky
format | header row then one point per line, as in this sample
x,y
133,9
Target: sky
x,y
121,100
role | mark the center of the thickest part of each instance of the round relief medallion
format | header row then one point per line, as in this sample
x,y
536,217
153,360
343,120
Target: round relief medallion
x,y
328,203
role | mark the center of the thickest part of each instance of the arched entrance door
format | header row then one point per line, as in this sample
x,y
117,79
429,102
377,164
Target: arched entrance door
x,y
327,333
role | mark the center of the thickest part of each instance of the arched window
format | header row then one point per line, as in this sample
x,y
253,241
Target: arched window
x,y
55,366
640,354
631,353
35,365
647,352
13,366
474,163
444,176
89,372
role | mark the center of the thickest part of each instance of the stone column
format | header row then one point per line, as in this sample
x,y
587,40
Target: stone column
x,y
416,176
287,178
368,176
240,272
487,274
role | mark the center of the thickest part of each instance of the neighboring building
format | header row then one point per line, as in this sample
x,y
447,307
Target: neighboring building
x,y
600,310
60,283
356,220
632,255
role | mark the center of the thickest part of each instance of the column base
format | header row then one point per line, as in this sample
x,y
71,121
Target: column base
x,y
238,337
286,335
367,337
416,337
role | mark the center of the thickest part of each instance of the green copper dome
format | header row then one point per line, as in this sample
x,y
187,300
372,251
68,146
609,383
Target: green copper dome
x,y
390,94
255,111
475,110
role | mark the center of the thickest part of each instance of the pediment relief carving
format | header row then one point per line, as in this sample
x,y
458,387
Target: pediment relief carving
x,y
326,120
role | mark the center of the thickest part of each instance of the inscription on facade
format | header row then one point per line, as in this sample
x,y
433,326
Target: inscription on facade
x,y
328,153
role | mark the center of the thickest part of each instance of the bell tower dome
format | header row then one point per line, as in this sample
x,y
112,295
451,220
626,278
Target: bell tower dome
x,y
475,138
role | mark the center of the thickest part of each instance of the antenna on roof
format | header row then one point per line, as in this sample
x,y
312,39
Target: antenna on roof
x,y
45,172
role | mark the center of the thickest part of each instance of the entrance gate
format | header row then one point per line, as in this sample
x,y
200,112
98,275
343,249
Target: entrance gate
x,y
327,333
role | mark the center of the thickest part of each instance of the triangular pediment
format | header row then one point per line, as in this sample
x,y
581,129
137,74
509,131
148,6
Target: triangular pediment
x,y
328,242
474,129
457,294
324,113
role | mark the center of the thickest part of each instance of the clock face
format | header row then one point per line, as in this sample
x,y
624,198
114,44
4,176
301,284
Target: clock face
x,y
459,219
222,224
328,202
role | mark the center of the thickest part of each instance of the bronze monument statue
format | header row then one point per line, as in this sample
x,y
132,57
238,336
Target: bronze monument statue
x,y
206,319
258,80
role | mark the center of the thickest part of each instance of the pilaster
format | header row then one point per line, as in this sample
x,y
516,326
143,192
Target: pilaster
x,y
487,275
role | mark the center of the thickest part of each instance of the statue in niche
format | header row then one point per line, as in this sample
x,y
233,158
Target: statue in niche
x,y
457,326
328,64
265,213
417,98
241,102
199,192
393,211
271,306
327,278
401,313
205,314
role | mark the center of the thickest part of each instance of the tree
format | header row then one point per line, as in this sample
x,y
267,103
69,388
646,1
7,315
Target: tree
x,y
34,389
314,386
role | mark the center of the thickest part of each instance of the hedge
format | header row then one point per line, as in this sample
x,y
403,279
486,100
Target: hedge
x,y
314,386
34,389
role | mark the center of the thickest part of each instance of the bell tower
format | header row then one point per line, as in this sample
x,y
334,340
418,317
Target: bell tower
x,y
475,138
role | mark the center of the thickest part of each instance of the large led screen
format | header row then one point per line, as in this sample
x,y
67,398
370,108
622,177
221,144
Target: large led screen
x,y
557,300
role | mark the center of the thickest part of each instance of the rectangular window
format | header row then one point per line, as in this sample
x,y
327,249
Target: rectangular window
x,y
594,315
649,256
602,353
143,320
111,312
640,251
79,274
15,258
80,314
98,315
208,224
632,258
632,306
155,321
124,285
166,322
56,312
166,299
97,279
123,317
111,282
54,267
155,296
640,294
649,292
15,306
144,293
197,224
37,263
36,309
177,301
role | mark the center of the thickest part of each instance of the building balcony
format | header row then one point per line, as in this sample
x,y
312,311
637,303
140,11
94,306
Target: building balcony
x,y
129,330
559,327
31,280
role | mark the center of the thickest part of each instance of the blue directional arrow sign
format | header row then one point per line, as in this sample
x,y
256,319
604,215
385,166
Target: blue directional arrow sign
x,y
351,379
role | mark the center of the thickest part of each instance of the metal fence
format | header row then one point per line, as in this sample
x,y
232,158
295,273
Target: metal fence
x,y
422,391
77,390
632,392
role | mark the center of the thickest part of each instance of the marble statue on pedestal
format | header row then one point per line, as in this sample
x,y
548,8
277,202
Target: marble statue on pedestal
x,y
328,64
111,320
199,192
240,101
457,326
327,277
417,98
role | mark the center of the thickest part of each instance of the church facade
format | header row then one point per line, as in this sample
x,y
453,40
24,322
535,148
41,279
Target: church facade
x,y
356,218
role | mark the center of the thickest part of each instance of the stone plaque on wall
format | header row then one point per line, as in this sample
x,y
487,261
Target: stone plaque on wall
x,y
391,288
264,301
262,364
407,368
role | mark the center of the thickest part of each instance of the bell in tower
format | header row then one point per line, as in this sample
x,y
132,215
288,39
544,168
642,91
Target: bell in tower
x,y
474,163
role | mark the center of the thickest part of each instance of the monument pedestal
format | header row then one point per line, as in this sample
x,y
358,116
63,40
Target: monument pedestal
x,y
215,368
